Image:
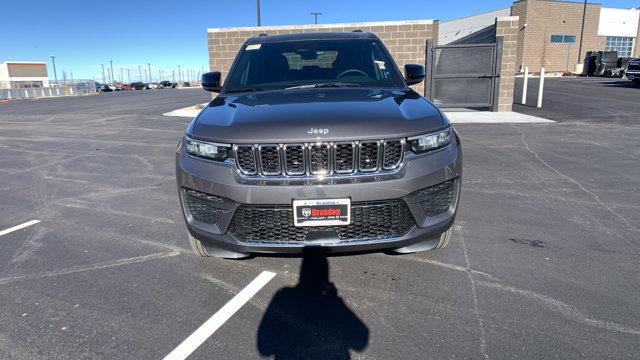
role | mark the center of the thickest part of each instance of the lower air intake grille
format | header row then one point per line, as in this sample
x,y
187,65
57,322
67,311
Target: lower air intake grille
x,y
438,198
203,207
369,221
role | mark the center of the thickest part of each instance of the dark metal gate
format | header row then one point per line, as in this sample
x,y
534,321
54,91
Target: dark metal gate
x,y
463,75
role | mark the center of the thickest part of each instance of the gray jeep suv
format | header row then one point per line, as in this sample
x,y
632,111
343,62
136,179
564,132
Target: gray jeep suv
x,y
316,140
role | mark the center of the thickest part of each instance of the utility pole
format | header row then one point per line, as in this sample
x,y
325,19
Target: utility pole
x,y
584,15
315,14
149,65
112,77
55,75
140,72
129,75
103,79
258,10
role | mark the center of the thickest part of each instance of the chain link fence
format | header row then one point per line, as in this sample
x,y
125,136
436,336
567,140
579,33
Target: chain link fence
x,y
77,87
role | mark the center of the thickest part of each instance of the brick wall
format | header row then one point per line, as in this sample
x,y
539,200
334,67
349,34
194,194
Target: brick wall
x,y
549,17
405,40
507,28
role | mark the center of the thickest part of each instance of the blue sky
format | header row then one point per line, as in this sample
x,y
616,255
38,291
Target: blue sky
x,y
84,34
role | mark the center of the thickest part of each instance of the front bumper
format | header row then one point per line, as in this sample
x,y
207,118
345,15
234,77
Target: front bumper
x,y
632,74
233,191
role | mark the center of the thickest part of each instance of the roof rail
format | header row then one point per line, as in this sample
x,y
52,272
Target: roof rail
x,y
263,34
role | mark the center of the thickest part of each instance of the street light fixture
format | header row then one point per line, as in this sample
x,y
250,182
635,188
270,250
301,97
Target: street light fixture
x,y
315,14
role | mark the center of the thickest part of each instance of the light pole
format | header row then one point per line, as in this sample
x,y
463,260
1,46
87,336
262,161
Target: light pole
x,y
568,55
584,15
140,72
149,65
129,75
179,75
103,78
258,11
315,14
121,76
112,76
55,75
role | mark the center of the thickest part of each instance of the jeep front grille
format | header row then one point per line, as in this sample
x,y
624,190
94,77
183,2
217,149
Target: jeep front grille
x,y
377,220
322,158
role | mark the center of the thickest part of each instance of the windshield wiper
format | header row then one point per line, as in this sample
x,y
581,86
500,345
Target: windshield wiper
x,y
324,85
246,89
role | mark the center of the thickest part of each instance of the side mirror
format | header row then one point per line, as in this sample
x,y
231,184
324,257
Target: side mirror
x,y
414,73
211,81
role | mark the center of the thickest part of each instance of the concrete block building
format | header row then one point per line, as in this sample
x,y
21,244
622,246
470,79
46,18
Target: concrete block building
x,y
551,32
532,33
23,74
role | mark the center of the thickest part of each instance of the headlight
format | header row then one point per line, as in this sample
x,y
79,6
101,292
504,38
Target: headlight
x,y
207,150
429,142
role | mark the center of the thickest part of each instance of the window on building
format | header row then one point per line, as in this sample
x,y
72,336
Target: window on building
x,y
556,38
623,45
563,39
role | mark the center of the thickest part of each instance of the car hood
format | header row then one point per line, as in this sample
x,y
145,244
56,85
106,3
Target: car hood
x,y
304,115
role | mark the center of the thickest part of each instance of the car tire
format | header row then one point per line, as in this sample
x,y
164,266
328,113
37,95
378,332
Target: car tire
x,y
196,246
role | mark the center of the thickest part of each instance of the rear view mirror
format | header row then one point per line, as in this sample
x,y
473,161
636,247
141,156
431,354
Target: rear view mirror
x,y
414,73
211,81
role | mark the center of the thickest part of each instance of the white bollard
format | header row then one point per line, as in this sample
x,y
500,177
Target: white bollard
x,y
541,87
525,84
26,93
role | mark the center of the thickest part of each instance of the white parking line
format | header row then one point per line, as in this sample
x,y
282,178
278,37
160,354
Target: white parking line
x,y
18,227
191,343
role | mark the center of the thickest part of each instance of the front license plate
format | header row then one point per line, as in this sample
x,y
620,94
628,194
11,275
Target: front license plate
x,y
325,212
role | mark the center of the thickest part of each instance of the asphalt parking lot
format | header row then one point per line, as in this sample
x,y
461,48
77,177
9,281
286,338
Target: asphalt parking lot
x,y
581,100
543,263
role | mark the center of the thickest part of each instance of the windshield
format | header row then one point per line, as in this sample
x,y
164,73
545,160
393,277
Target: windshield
x,y
330,63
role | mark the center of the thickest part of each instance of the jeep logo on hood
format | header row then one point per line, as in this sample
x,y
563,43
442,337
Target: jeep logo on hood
x,y
312,131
